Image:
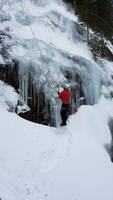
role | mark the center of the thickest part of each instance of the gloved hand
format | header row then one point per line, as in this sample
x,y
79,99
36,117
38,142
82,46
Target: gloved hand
x,y
57,89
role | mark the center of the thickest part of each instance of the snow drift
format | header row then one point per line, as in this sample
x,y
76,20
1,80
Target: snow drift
x,y
39,162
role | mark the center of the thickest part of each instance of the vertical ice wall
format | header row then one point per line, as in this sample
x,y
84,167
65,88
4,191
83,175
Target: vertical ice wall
x,y
47,41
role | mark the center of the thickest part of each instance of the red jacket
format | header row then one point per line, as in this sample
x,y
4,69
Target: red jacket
x,y
65,96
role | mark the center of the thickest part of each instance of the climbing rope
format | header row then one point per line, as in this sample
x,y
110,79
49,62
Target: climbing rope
x,y
44,63
35,39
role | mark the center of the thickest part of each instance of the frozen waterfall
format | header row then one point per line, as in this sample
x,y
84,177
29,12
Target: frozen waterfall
x,y
51,49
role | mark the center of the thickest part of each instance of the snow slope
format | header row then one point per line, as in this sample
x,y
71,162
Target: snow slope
x,y
39,162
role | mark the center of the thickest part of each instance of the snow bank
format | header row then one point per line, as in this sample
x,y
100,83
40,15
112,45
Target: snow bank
x,y
39,162
1,60
8,97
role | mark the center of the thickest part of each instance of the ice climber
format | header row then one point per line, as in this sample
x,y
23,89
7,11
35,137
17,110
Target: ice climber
x,y
65,97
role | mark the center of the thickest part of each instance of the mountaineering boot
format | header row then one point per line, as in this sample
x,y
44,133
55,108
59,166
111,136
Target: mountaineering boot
x,y
63,124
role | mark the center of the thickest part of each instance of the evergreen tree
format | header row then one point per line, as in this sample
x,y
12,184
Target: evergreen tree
x,y
96,14
99,47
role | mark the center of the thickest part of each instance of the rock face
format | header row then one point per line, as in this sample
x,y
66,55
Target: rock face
x,y
9,74
109,147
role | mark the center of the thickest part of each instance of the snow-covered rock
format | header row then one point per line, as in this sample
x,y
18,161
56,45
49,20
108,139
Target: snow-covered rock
x,y
1,60
8,97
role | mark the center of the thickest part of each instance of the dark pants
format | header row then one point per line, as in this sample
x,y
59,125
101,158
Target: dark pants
x,y
65,111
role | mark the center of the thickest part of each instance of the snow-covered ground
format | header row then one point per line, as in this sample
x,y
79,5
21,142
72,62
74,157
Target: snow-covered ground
x,y
70,163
